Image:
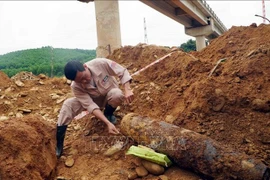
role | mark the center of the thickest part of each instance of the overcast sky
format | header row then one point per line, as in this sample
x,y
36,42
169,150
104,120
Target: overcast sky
x,y
71,24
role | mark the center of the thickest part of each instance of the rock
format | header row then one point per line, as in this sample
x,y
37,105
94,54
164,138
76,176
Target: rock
x,y
73,151
132,175
19,115
54,96
174,49
63,158
60,178
95,137
7,103
84,177
3,118
42,76
116,156
246,164
237,80
246,140
260,105
60,93
56,110
265,140
69,162
141,171
87,132
137,161
41,82
153,168
96,150
19,83
253,25
77,127
251,53
114,149
23,94
168,84
163,177
96,169
34,89
268,52
219,103
60,100
221,129
25,110
68,82
118,109
10,89
170,119
218,92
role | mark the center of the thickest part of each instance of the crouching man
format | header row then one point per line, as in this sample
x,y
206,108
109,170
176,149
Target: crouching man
x,y
94,87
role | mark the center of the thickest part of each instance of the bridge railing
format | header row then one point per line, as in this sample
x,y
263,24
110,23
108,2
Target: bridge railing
x,y
213,14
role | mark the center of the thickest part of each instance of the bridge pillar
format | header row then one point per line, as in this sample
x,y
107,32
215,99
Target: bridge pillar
x,y
200,33
108,27
200,42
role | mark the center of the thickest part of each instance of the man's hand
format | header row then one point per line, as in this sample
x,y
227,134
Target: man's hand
x,y
128,93
112,129
129,96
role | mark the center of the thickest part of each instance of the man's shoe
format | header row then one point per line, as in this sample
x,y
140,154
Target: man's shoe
x,y
108,112
60,136
111,118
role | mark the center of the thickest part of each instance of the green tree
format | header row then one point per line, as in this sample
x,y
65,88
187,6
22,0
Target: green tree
x,y
190,45
40,60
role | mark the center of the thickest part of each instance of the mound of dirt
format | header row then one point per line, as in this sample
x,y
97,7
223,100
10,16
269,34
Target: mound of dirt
x,y
27,148
5,81
231,106
226,101
239,43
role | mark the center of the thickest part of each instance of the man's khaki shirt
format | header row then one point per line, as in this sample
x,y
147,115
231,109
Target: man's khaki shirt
x,y
103,72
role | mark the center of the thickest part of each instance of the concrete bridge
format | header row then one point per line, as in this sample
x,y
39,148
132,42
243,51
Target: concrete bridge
x,y
198,18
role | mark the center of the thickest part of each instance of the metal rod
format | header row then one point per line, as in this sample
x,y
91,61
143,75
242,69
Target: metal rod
x,y
262,17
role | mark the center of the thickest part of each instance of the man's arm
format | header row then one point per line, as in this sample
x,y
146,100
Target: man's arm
x,y
115,69
111,128
88,103
128,92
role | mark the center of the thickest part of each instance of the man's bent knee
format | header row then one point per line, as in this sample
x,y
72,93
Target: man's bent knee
x,y
115,97
70,108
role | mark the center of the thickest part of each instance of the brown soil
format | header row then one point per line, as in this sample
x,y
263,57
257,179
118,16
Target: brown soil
x,y
232,106
27,149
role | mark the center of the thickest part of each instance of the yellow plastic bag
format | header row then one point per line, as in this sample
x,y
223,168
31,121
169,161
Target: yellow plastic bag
x,y
150,155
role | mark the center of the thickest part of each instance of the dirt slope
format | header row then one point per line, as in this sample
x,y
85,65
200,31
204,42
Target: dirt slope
x,y
230,106
27,149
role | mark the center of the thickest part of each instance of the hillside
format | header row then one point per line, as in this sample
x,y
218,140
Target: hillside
x,y
45,60
230,105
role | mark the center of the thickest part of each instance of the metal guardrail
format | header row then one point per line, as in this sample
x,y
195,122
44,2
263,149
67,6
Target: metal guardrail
x,y
213,13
